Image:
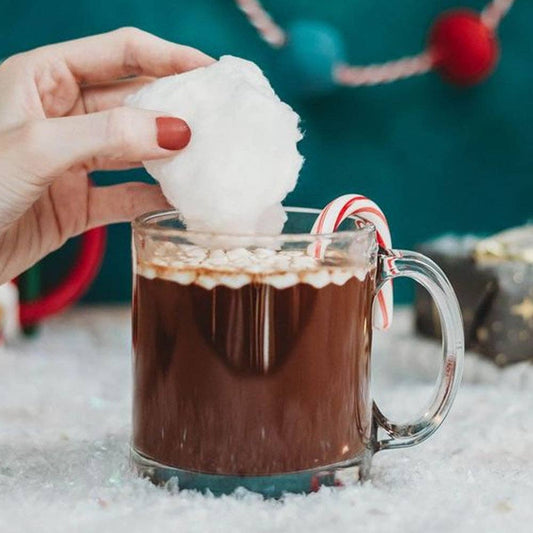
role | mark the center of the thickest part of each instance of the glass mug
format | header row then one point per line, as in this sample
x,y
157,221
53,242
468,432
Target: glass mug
x,y
251,358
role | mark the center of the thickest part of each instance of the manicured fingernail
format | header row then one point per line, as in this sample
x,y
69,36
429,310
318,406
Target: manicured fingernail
x,y
172,133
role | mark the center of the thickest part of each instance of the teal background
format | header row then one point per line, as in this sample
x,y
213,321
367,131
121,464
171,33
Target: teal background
x,y
436,158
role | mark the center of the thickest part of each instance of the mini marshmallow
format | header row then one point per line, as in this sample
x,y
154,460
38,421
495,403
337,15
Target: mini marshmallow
x,y
242,159
238,267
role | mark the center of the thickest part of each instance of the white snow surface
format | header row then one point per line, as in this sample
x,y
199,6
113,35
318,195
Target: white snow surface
x,y
65,427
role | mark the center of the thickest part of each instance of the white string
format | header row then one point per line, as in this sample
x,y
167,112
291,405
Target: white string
x,y
262,22
494,12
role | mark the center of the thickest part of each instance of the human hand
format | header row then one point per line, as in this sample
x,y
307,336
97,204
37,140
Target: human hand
x,y
61,117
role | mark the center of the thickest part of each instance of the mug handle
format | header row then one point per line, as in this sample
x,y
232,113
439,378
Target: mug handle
x,y
77,281
401,263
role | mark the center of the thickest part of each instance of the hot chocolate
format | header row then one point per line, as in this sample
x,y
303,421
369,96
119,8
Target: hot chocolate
x,y
251,362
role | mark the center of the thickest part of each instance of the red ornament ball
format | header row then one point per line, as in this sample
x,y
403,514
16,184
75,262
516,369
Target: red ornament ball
x,y
464,49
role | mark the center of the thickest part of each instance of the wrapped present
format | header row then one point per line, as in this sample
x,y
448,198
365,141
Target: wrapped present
x,y
493,280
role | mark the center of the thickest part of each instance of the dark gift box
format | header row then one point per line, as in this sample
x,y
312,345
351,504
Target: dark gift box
x,y
493,280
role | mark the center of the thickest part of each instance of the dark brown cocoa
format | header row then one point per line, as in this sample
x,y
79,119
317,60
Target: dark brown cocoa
x,y
251,380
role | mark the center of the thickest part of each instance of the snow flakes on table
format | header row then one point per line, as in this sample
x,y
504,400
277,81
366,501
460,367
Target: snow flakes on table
x,y
64,434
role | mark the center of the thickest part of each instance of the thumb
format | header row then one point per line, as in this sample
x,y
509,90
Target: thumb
x,y
48,147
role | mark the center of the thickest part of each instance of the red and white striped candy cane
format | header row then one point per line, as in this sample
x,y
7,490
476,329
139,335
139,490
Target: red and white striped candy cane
x,y
366,211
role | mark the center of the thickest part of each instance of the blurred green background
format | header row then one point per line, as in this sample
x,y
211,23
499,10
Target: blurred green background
x,y
436,158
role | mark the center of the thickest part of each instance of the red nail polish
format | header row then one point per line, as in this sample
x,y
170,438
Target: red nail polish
x,y
172,133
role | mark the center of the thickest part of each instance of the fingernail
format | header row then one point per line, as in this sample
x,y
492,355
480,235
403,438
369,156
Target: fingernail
x,y
172,133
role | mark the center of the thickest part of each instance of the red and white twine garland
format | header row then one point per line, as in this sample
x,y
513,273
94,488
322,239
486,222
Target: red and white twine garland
x,y
365,211
355,76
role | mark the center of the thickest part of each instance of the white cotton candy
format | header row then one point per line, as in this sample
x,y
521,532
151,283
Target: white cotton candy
x,y
242,159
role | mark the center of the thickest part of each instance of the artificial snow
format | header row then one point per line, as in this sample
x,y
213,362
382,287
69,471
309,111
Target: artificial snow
x,y
65,428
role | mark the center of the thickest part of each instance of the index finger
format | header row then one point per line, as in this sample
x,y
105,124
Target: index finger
x,y
126,52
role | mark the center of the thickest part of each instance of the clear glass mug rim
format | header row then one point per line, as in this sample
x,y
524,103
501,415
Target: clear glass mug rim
x,y
144,225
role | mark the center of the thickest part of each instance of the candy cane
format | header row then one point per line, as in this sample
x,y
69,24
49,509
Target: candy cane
x,y
366,211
